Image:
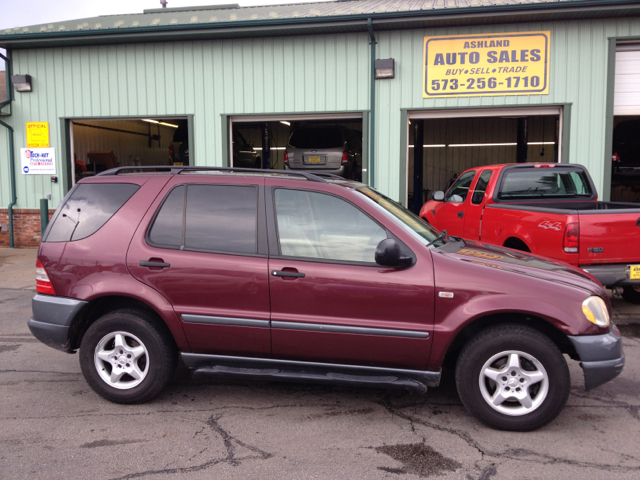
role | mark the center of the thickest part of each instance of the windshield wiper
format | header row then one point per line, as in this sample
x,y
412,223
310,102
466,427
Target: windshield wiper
x,y
442,236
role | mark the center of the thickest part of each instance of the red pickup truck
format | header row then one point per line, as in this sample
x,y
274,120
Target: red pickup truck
x,y
546,209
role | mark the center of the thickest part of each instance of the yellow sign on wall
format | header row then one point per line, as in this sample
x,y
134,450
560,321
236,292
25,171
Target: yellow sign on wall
x,y
515,63
37,134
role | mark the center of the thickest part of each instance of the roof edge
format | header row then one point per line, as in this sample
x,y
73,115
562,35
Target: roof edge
x,y
7,40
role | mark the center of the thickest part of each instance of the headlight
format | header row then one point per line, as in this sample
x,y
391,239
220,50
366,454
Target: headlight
x,y
596,312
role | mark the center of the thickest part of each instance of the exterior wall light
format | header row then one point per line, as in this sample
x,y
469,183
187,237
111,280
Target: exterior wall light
x,y
385,68
22,83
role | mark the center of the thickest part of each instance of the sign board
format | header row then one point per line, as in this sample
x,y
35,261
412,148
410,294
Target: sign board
x,y
37,134
486,65
37,161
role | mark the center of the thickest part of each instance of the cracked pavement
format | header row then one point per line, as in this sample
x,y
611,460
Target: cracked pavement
x,y
53,426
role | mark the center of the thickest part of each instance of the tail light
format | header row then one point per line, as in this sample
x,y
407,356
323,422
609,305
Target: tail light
x,y
345,158
171,151
286,158
43,284
615,157
571,238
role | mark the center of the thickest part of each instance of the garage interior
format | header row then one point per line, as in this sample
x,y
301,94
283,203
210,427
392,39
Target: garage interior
x,y
452,145
266,138
625,174
102,144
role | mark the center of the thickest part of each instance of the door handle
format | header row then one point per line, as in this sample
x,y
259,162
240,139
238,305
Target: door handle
x,y
145,263
638,223
460,214
282,273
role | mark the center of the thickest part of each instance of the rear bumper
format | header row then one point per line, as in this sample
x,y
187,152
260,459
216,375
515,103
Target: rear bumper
x,y
611,275
335,171
51,320
601,356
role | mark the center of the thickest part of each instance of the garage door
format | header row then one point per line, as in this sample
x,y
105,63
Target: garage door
x,y
627,93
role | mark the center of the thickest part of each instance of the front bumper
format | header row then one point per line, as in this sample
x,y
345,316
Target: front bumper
x,y
51,320
601,356
614,275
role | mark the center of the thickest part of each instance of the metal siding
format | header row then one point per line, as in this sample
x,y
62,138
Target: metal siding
x,y
578,76
206,79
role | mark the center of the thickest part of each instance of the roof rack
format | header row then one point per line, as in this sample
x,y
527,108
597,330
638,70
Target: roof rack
x,y
312,177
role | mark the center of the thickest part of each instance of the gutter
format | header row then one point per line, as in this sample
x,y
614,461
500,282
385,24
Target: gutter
x,y
12,165
372,107
556,8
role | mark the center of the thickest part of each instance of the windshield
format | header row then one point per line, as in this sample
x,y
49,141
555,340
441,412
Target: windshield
x,y
406,217
544,183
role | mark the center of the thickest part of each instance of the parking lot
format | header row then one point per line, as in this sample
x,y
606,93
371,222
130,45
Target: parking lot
x,y
52,425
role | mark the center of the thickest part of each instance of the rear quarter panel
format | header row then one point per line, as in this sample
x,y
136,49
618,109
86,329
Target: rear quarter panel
x,y
542,232
95,267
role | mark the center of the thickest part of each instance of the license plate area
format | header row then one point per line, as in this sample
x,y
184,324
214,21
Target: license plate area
x,y
633,272
314,159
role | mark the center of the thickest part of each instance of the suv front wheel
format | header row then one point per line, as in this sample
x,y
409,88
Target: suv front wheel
x,y
126,358
512,377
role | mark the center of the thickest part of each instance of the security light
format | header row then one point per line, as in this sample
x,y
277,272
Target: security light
x,y
385,68
22,83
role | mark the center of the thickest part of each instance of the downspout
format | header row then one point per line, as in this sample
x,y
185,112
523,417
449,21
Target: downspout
x,y
14,199
372,107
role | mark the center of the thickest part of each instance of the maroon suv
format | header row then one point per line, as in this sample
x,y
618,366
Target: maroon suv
x,y
295,276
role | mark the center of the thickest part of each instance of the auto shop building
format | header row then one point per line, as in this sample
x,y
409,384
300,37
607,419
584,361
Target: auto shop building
x,y
424,89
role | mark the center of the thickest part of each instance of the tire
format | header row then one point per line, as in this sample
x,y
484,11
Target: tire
x,y
146,363
258,163
539,377
631,294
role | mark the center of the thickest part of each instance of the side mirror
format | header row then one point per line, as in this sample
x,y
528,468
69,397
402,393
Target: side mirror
x,y
388,254
455,199
438,196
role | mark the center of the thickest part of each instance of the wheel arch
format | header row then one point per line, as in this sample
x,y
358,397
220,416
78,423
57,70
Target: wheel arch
x,y
516,244
558,337
101,306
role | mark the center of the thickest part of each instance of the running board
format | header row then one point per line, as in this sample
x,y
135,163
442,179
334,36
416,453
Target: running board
x,y
297,371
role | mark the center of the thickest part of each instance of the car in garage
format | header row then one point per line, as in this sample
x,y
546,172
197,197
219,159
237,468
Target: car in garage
x,y
299,277
325,148
244,155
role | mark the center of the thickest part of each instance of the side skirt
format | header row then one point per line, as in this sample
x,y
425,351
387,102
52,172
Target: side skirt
x,y
297,371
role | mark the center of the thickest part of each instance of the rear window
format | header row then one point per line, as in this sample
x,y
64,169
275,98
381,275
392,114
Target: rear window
x,y
544,183
88,208
317,137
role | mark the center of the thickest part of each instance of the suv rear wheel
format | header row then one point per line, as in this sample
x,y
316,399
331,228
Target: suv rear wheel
x,y
126,358
512,377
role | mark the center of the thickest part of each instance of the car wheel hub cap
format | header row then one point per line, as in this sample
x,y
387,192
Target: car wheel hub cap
x,y
513,383
121,360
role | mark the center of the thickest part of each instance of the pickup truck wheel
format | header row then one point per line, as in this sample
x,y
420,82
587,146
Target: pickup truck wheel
x,y
126,358
512,377
631,294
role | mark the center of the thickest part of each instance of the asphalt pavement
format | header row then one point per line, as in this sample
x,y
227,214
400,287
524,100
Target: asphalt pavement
x,y
53,426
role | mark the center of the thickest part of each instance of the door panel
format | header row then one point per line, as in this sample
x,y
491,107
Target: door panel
x,y
476,204
345,309
450,215
222,299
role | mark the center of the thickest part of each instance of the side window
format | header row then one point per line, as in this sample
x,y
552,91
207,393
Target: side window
x,y
219,218
481,187
460,187
315,225
88,208
167,228
222,218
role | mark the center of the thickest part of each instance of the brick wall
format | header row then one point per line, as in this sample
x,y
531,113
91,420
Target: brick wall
x,y
27,227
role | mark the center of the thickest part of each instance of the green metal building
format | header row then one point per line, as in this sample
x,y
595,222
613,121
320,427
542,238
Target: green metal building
x,y
120,87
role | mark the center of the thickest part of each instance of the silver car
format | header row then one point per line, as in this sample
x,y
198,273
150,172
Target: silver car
x,y
323,148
